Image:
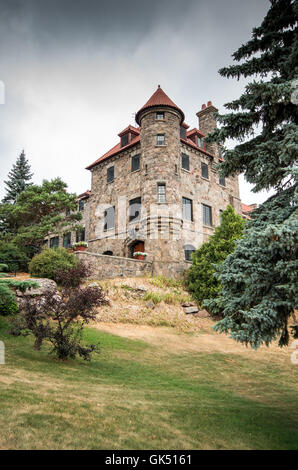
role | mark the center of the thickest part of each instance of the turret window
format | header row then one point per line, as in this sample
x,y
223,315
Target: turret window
x,y
161,192
135,163
182,132
185,161
160,116
160,139
205,170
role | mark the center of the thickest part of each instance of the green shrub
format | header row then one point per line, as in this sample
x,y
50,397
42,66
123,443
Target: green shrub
x,y
8,303
13,257
49,262
201,276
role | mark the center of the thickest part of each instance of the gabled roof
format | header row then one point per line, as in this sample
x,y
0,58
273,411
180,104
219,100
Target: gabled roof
x,y
131,129
195,131
113,151
84,195
159,98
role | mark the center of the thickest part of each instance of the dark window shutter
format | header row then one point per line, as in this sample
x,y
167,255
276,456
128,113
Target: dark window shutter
x,y
110,174
205,170
135,163
185,161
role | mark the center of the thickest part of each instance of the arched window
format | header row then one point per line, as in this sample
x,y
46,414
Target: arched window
x,y
108,253
188,250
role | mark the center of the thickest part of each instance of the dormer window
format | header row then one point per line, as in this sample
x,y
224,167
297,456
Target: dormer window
x,y
160,116
124,140
199,142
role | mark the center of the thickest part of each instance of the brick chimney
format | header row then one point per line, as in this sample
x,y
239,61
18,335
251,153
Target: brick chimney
x,y
207,123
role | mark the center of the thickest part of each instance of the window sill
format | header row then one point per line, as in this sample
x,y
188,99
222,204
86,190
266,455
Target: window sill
x,y
109,182
208,226
163,145
108,229
224,187
186,171
205,179
135,171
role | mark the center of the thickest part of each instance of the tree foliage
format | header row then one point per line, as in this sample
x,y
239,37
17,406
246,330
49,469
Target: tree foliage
x,y
38,211
18,179
259,280
201,277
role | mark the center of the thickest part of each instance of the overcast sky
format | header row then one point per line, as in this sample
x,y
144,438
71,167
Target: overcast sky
x,y
75,71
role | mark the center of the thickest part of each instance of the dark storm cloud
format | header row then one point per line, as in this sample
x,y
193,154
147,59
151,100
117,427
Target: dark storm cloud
x,y
75,71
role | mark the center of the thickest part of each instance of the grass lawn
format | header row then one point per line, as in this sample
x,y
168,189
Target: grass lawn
x,y
137,395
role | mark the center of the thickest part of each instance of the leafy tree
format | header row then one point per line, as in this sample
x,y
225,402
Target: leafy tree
x,y
39,211
18,179
13,256
61,321
201,275
259,280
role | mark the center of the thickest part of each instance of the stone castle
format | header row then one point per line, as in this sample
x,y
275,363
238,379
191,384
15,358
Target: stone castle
x,y
157,195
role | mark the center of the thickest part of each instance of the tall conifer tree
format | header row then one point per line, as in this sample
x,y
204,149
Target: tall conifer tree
x,y
259,280
18,179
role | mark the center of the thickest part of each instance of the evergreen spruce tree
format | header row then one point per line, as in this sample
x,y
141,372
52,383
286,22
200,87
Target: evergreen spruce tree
x,y
18,179
201,275
259,280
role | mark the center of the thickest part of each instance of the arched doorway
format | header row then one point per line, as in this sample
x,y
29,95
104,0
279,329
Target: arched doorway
x,y
137,246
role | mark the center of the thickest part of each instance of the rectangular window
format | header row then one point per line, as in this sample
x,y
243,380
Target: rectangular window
x,y
67,240
199,142
80,235
182,132
207,215
160,139
135,163
54,242
185,161
109,218
205,170
160,116
110,174
222,181
161,192
135,209
124,140
81,205
187,212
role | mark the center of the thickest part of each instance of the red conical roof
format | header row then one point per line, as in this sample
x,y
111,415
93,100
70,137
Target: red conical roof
x,y
159,98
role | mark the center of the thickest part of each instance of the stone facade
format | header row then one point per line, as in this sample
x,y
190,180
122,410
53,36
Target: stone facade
x,y
163,228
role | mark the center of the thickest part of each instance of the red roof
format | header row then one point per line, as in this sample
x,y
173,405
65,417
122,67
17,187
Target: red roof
x,y
246,209
129,128
84,195
113,151
195,131
159,98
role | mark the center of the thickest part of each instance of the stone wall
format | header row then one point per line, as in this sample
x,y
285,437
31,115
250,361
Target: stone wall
x,y
108,267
